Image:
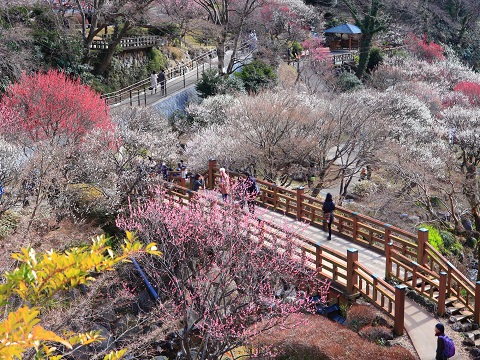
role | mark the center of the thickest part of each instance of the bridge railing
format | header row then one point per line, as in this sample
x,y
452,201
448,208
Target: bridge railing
x,y
411,254
344,270
137,92
127,43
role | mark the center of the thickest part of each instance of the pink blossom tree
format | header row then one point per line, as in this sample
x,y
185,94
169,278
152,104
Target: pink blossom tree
x,y
224,277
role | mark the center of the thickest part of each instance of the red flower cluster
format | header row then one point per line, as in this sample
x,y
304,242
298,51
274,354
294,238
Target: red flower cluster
x,y
423,49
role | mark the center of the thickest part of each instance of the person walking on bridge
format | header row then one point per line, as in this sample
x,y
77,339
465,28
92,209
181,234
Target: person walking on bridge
x,y
328,209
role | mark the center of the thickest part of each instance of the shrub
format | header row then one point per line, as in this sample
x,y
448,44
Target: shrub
x,y
319,338
8,223
348,82
376,57
174,53
450,243
212,83
297,49
257,75
434,237
448,238
364,188
157,60
423,49
471,242
85,201
378,334
471,90
359,316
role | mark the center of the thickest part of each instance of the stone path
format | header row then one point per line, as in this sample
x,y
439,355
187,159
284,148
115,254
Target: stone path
x,y
419,323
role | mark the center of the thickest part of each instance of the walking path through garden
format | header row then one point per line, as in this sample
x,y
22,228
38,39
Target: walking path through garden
x,y
146,97
419,323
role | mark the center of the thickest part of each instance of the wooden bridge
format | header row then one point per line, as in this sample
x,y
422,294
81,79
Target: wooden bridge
x,y
407,258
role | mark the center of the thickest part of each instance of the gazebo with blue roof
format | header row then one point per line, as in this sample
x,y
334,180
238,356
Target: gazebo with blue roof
x,y
337,42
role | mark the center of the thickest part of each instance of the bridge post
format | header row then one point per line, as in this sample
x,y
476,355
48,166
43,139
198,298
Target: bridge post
x,y
442,294
198,75
422,239
374,285
211,173
131,99
352,277
399,322
388,260
300,192
476,313
414,273
355,226
275,196
386,237
318,257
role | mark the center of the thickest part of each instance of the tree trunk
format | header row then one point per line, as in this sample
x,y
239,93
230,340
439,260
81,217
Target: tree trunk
x,y
102,68
364,53
221,51
319,186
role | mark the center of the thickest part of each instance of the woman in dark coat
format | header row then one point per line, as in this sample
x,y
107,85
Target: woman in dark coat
x,y
440,331
328,209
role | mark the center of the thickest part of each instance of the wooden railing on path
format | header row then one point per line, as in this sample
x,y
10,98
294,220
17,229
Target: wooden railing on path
x,y
345,271
409,258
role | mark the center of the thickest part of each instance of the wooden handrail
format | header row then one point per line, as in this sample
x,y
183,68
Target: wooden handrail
x,y
329,262
400,247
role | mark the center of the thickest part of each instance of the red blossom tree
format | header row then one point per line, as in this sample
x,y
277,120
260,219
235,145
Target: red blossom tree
x,y
49,115
423,49
224,278
49,106
471,90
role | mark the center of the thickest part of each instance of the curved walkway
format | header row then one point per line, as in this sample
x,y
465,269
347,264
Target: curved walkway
x,y
419,323
189,78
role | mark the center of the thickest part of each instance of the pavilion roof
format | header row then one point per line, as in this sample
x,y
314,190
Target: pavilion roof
x,y
344,29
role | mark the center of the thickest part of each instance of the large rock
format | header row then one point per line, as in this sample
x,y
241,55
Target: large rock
x,y
105,334
87,352
126,325
458,326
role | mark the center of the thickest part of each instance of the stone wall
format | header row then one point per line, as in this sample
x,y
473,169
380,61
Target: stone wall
x,y
133,58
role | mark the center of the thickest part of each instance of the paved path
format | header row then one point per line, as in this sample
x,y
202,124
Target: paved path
x,y
190,78
419,323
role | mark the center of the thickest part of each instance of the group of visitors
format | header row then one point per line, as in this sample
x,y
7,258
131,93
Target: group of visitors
x,y
243,191
158,80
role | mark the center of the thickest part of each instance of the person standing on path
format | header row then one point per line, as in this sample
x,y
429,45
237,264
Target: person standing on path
x,y
250,192
445,346
198,183
153,82
224,184
328,209
162,80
